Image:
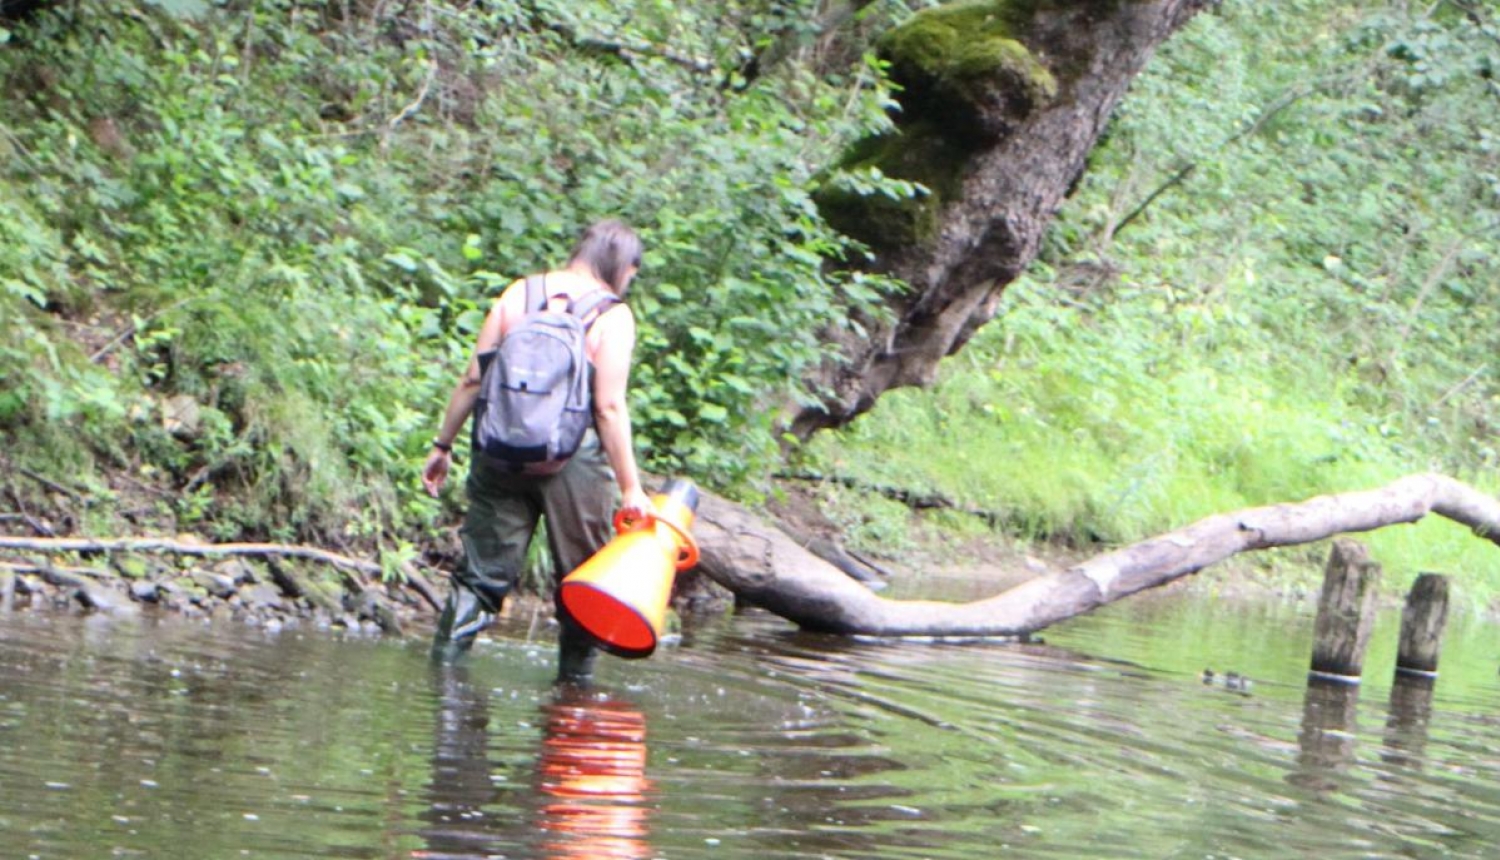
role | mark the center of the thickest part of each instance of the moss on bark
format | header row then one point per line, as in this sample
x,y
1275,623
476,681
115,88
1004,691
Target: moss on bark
x,y
964,52
921,152
967,79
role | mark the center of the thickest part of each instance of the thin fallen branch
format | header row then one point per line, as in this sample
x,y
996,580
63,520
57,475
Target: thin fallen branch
x,y
130,330
626,52
421,586
92,572
37,526
46,482
31,522
768,568
630,52
1178,177
1182,173
1464,383
416,104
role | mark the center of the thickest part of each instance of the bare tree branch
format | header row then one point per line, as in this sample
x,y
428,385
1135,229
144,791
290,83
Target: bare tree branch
x,y
770,569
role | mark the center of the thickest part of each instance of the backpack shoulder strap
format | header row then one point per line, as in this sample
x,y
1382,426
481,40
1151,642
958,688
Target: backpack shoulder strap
x,y
536,293
592,306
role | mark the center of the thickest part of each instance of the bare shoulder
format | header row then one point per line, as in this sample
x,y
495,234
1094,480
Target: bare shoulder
x,y
617,317
614,328
508,307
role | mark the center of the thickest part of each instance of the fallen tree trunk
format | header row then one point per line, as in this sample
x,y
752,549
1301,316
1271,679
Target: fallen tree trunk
x,y
766,567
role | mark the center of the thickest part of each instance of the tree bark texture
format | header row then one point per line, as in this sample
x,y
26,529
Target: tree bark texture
x,y
1423,620
768,568
1346,611
1001,103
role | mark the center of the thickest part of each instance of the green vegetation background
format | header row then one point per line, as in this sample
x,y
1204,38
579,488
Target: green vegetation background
x,y
244,247
1307,302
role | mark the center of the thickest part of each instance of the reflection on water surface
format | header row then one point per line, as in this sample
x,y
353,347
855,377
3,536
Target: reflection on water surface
x,y
164,738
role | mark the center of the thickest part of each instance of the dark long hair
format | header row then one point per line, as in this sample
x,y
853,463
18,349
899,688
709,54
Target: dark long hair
x,y
609,248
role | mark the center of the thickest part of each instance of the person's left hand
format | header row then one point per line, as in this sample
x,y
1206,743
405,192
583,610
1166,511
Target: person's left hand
x,y
636,505
435,472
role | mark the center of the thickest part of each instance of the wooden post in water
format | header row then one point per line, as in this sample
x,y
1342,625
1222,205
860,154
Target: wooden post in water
x,y
1346,612
1422,622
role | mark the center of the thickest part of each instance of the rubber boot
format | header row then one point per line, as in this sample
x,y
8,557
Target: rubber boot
x,y
464,616
576,653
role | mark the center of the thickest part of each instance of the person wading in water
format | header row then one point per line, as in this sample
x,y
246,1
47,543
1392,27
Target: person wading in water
x,y
579,493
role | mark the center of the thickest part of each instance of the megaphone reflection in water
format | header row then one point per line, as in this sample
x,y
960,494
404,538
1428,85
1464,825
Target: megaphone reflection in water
x,y
593,775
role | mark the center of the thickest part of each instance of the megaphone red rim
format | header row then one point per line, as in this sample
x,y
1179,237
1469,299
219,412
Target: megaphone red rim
x,y
618,627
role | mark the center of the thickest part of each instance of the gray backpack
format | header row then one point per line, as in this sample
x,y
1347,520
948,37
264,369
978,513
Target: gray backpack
x,y
536,390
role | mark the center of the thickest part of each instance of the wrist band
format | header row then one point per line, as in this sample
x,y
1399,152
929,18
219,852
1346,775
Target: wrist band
x,y
439,444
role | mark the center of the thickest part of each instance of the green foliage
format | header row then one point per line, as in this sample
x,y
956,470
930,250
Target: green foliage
x,y
245,247
1307,306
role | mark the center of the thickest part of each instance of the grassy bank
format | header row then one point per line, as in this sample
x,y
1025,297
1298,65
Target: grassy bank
x,y
1046,423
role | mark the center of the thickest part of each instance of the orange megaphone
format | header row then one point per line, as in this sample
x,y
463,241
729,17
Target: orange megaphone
x,y
620,594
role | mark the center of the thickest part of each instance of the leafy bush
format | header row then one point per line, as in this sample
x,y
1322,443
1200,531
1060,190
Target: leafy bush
x,y
248,244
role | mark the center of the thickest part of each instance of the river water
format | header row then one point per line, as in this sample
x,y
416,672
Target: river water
x,y
165,738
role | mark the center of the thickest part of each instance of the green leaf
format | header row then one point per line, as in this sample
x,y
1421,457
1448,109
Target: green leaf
x,y
403,262
472,250
470,321
23,290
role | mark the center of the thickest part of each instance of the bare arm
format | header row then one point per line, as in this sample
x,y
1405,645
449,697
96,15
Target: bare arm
x,y
461,401
611,414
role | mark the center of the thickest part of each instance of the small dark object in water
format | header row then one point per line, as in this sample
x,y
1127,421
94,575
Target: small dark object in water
x,y
1228,680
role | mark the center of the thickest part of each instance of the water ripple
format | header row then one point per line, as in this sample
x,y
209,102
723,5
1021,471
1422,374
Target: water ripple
x,y
749,740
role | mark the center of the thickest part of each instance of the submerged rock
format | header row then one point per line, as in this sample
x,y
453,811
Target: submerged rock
x,y
216,584
262,595
145,592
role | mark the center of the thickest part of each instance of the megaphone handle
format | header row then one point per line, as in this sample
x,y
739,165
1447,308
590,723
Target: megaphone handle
x,y
624,524
687,548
